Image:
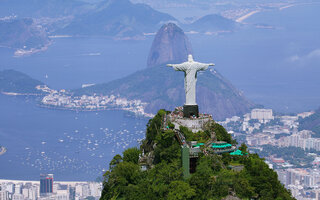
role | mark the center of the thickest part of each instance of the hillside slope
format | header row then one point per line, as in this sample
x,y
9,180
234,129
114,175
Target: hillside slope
x,y
311,123
22,34
16,82
211,23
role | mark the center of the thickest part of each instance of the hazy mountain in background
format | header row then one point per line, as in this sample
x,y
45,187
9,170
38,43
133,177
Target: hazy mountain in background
x,y
211,23
42,8
170,45
117,18
162,87
17,82
22,34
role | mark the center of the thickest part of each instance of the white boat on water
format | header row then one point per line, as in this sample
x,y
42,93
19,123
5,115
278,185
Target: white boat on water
x,y
3,150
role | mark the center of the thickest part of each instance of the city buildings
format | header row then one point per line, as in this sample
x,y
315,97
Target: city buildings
x,y
31,190
46,184
262,114
266,134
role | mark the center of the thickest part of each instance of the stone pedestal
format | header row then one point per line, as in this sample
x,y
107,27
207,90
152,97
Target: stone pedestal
x,y
190,110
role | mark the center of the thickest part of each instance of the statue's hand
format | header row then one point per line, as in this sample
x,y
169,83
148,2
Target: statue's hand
x,y
169,65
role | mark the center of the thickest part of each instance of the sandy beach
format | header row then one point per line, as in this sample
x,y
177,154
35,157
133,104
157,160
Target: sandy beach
x,y
240,19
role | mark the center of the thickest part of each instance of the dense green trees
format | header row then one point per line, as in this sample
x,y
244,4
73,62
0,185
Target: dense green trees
x,y
294,155
200,136
131,155
153,128
213,179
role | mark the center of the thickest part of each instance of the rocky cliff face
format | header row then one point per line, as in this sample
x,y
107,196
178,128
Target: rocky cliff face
x,y
170,45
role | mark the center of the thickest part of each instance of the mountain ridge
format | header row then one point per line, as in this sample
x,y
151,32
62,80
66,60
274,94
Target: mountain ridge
x,y
12,81
22,34
120,19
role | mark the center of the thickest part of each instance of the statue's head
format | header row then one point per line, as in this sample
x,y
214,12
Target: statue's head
x,y
190,58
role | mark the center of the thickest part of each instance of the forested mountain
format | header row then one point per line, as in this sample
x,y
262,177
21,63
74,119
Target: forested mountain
x,y
213,178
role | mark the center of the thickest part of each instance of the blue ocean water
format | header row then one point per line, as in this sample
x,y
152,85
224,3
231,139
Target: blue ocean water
x,y
70,62
71,145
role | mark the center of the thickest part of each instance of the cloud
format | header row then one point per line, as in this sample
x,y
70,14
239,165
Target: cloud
x,y
315,54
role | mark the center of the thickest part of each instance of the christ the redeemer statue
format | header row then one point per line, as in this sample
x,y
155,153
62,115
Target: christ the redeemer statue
x,y
190,69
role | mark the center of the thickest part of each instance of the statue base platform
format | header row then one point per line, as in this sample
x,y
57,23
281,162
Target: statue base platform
x,y
190,111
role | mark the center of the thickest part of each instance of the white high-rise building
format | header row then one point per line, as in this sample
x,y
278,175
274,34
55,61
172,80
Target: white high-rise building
x,y
262,114
17,197
18,189
4,195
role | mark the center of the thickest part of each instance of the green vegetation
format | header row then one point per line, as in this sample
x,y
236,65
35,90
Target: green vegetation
x,y
200,136
131,155
212,179
294,155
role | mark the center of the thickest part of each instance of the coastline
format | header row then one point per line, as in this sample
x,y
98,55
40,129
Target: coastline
x,y
130,110
20,94
23,52
246,16
242,18
147,115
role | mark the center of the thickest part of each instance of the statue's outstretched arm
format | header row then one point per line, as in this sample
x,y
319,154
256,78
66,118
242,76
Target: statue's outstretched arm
x,y
177,67
204,66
